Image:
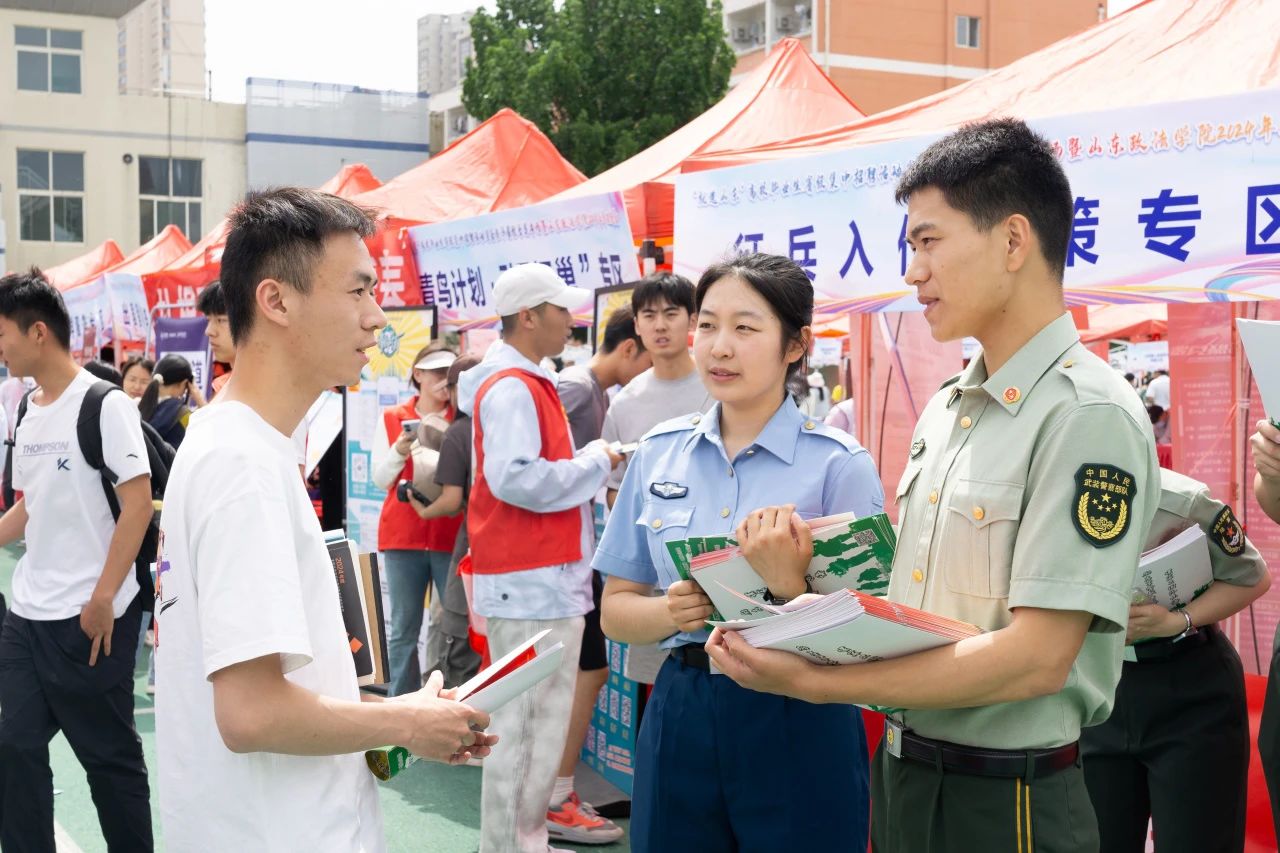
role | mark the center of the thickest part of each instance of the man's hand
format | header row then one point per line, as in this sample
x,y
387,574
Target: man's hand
x,y
444,730
762,670
418,506
197,397
1265,444
1148,621
689,606
97,619
615,459
778,545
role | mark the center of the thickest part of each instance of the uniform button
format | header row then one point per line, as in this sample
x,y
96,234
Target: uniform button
x,y
724,513
657,522
917,576
978,513
751,453
697,419
731,472
1068,363
966,422
933,496
809,424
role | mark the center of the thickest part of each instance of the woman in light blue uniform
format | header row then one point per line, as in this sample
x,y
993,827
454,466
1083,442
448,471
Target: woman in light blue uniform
x,y
720,767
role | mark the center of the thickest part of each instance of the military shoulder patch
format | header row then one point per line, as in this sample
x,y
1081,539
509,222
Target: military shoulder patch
x,y
1102,503
1227,533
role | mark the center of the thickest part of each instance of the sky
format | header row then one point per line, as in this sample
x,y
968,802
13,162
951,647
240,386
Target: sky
x,y
373,44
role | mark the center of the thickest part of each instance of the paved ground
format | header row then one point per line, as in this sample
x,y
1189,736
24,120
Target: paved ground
x,y
427,809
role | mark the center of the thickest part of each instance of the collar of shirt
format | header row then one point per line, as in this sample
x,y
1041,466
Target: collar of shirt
x,y
778,436
504,356
1011,384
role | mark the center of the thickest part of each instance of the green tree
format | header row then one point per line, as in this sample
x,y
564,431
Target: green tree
x,y
604,79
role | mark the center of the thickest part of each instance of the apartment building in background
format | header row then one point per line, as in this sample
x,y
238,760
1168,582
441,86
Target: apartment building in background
x,y
444,45
883,53
161,48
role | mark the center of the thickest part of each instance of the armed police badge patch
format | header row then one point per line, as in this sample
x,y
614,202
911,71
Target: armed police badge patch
x,y
1227,533
1102,503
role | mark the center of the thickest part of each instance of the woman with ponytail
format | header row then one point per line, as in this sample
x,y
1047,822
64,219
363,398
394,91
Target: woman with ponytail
x,y
169,399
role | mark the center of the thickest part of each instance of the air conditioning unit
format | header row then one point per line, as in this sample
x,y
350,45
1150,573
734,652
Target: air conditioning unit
x,y
784,24
460,124
740,35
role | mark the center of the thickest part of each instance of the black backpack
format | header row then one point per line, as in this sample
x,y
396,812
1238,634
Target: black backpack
x,y
89,436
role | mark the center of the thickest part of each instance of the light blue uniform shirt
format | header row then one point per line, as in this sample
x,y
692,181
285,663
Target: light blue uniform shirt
x,y
681,483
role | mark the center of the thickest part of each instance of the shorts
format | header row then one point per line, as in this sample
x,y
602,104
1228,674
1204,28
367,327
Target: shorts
x,y
593,655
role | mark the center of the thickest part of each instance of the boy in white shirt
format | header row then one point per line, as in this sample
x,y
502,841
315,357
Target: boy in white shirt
x,y
259,721
68,643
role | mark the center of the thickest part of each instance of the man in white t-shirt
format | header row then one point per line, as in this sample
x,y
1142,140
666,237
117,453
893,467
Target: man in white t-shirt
x,y
260,725
69,639
664,309
1158,390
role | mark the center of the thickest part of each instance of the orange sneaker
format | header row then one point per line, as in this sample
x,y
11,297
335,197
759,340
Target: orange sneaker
x,y
577,822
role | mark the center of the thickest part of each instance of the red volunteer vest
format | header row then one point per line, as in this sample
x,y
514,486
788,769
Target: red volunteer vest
x,y
505,538
399,527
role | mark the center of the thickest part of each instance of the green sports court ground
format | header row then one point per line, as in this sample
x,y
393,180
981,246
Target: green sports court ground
x,y
429,808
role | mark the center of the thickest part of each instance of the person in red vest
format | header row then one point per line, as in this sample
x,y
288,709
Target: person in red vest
x,y
415,552
531,541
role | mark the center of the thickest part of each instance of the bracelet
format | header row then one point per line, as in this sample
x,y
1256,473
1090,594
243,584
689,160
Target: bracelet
x,y
1189,630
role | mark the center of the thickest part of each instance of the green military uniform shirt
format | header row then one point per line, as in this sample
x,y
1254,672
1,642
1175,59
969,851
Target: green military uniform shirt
x,y
1185,502
1033,487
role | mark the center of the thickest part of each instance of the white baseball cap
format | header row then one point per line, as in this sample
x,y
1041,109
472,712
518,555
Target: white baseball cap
x,y
438,360
530,285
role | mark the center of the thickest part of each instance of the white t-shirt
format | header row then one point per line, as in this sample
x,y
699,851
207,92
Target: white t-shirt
x,y
1158,392
244,573
69,526
647,401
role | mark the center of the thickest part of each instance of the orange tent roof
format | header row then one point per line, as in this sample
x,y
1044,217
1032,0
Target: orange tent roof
x,y
1158,50
155,254
787,95
87,266
504,163
351,180
200,263
1107,322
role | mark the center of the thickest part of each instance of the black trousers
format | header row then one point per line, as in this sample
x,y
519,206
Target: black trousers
x,y
1269,738
47,685
1176,748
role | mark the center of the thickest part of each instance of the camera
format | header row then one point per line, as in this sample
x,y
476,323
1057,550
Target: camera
x,y
404,488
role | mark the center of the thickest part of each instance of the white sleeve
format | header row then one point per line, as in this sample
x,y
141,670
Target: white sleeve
x,y
387,463
248,587
513,464
123,449
609,434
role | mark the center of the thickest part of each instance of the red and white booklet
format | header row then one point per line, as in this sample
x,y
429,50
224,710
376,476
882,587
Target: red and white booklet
x,y
510,675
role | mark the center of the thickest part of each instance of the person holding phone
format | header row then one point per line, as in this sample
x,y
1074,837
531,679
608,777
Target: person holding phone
x,y
169,399
712,771
416,552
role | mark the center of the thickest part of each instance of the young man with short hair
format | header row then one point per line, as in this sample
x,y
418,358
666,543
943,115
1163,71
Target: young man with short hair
x,y
69,640
1023,509
260,724
584,391
530,527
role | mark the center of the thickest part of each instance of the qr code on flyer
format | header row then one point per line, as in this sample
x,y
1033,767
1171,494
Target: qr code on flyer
x,y
866,537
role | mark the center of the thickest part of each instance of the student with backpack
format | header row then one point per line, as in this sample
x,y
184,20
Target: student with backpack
x,y
68,641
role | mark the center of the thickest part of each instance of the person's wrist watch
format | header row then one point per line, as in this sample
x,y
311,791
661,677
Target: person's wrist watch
x,y
770,598
1187,631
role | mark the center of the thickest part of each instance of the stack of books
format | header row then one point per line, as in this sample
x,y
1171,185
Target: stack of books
x,y
360,594
847,626
1174,573
848,553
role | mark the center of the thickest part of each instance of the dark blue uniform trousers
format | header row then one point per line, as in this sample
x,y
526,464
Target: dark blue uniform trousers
x,y
723,768
47,685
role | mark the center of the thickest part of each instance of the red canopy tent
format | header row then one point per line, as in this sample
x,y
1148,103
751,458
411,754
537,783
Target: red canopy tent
x,y
787,95
506,162
87,266
200,264
157,253
1158,50
1138,322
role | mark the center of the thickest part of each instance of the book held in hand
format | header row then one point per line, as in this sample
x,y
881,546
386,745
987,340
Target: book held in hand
x,y
360,595
506,678
848,553
1175,572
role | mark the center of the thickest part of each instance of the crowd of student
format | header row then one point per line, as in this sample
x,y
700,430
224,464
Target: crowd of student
x,y
1030,491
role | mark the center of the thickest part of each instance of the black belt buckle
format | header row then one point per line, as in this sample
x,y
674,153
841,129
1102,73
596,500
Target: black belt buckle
x,y
893,732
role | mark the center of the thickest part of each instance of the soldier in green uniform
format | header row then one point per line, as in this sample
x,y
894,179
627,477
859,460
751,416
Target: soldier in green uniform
x,y
1031,483
1176,747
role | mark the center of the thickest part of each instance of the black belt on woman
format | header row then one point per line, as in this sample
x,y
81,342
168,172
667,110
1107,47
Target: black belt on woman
x,y
1168,647
692,655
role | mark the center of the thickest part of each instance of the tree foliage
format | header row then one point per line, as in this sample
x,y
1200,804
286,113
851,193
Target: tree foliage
x,y
604,79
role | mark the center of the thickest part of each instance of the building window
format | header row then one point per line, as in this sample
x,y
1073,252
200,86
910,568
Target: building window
x,y
170,191
51,196
967,31
48,60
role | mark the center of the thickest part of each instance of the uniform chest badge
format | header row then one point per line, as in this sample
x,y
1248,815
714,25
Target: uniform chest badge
x,y
917,447
668,491
1102,503
1227,533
